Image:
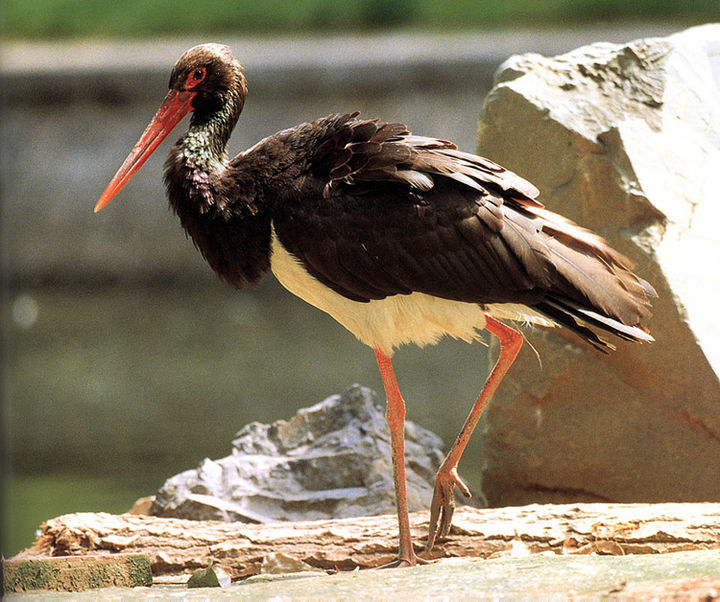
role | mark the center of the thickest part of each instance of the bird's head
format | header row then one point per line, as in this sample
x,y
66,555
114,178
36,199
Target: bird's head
x,y
205,80
209,73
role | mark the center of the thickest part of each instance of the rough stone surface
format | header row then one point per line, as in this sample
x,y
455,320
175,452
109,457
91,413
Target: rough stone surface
x,y
331,460
624,139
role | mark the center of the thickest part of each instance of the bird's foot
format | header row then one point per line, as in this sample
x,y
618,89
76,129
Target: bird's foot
x,y
404,560
443,503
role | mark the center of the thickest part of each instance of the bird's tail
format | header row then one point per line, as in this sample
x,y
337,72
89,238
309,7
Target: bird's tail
x,y
593,286
580,320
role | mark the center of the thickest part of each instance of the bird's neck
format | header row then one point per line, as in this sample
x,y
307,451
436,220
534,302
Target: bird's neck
x,y
204,146
201,154
203,149
216,201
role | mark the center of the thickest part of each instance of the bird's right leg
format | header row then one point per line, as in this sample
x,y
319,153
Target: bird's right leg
x,y
395,415
443,502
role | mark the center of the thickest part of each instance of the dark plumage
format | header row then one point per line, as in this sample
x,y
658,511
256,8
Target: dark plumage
x,y
401,238
418,215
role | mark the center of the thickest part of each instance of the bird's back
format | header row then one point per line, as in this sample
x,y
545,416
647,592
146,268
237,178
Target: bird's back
x,y
373,212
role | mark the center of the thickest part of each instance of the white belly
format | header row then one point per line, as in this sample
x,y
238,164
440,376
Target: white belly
x,y
387,323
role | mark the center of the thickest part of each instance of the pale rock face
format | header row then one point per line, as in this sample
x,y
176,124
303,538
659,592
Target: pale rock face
x,y
626,141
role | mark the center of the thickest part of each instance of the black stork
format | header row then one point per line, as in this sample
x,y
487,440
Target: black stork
x,y
400,238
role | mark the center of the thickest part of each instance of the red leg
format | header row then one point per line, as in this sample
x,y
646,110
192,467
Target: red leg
x,y
443,503
395,415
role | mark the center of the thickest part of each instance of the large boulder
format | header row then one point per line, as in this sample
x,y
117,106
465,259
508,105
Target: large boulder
x,y
331,460
624,139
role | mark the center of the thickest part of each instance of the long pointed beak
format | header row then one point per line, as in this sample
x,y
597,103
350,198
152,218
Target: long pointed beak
x,y
176,105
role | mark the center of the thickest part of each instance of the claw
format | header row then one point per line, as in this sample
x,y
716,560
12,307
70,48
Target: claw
x,y
462,485
443,504
399,563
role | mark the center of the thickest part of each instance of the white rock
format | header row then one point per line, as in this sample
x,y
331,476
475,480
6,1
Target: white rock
x,y
624,139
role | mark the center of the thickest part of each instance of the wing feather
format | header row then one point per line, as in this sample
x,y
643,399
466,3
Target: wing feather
x,y
394,213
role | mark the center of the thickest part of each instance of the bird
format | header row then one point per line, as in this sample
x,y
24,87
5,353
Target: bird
x,y
401,238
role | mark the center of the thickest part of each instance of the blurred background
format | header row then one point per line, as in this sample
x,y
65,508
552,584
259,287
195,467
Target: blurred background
x,y
124,359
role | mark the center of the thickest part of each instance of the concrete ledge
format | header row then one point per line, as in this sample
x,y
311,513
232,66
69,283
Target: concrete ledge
x,y
128,71
76,573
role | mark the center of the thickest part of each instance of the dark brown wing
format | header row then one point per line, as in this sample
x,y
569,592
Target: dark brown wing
x,y
370,151
382,212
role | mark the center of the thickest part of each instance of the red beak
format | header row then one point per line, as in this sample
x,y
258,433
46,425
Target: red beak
x,y
176,105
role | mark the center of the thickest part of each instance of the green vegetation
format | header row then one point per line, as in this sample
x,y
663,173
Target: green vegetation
x,y
52,19
30,500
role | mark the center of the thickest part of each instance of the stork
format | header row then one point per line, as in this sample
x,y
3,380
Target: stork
x,y
400,238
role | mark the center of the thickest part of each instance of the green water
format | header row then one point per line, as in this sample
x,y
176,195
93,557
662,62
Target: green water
x,y
31,499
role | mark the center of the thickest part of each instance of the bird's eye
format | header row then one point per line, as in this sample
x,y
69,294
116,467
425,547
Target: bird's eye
x,y
195,77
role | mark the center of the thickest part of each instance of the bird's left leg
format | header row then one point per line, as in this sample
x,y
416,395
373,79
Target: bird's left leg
x,y
395,415
443,502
